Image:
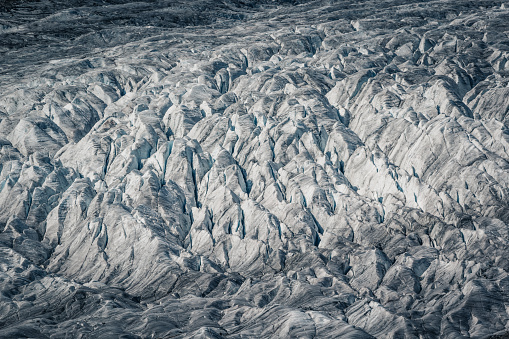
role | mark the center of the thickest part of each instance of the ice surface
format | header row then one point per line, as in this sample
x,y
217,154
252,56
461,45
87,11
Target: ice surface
x,y
254,169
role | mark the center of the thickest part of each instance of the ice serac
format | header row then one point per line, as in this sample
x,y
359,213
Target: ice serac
x,y
254,169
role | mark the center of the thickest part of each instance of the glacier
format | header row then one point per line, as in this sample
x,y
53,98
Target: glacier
x,y
254,169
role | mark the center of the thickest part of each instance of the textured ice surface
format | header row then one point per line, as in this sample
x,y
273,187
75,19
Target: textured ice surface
x,y
254,169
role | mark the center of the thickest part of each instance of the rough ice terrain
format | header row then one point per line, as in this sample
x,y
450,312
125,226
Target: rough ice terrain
x,y
254,169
